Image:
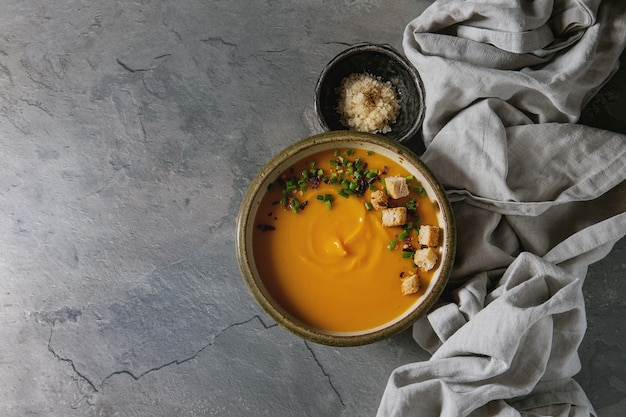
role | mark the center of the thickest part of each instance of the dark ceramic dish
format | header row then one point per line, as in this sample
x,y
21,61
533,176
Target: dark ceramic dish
x,y
380,61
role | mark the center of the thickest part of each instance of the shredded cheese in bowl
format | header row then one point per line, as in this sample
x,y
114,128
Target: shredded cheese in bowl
x,y
367,103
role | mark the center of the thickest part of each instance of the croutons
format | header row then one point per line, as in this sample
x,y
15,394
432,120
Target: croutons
x,y
428,235
396,187
425,258
394,216
379,199
410,285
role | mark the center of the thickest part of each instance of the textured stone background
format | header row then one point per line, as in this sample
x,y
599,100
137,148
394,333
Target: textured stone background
x,y
128,134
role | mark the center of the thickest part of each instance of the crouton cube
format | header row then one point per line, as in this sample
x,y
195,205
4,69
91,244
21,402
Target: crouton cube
x,y
394,216
426,258
379,200
410,285
428,236
396,187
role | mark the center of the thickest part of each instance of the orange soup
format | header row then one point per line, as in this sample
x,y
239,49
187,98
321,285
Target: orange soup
x,y
321,248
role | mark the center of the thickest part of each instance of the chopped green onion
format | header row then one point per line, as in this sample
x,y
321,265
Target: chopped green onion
x,y
408,254
295,205
328,204
326,198
409,177
392,244
368,206
410,205
403,235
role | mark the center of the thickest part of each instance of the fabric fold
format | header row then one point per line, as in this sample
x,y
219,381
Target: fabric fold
x,y
550,85
537,199
483,361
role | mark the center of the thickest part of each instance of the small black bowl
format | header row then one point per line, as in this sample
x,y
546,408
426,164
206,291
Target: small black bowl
x,y
379,61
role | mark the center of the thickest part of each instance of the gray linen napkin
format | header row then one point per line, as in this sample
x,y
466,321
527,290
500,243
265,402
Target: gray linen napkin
x,y
537,198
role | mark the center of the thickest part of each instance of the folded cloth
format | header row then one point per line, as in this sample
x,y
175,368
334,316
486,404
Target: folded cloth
x,y
537,199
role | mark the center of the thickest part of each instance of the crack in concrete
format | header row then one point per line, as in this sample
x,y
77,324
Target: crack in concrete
x,y
326,374
340,43
211,40
31,73
128,68
91,388
96,388
37,104
181,361
71,363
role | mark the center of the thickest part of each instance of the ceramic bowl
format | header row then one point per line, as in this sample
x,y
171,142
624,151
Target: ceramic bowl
x,y
301,150
379,61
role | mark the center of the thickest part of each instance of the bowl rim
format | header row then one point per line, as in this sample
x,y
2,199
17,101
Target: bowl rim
x,y
246,216
384,49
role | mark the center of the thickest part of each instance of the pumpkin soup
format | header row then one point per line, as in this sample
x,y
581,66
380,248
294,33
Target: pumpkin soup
x,y
338,247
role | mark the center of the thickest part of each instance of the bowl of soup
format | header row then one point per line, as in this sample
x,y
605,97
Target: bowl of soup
x,y
345,238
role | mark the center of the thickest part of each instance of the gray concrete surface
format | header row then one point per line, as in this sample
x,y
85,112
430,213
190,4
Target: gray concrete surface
x,y
128,134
